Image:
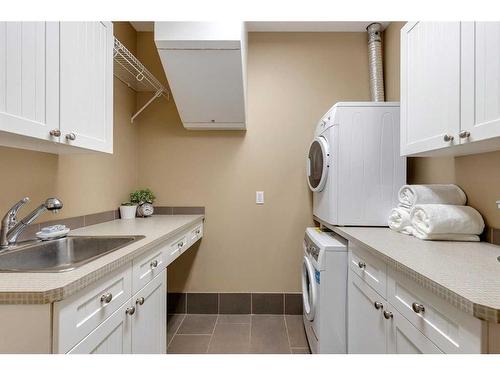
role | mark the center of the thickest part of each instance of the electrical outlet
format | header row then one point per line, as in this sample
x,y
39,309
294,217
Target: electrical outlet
x,y
259,197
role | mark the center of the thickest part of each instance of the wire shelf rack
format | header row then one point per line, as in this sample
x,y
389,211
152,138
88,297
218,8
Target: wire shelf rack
x,y
128,69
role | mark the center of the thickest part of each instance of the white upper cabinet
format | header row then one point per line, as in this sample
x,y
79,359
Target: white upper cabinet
x,y
29,78
430,86
205,64
450,88
56,86
480,81
86,56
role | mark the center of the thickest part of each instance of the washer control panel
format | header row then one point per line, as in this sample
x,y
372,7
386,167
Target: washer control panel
x,y
311,248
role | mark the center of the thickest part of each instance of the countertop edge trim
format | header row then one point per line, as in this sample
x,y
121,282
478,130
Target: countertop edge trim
x,y
60,293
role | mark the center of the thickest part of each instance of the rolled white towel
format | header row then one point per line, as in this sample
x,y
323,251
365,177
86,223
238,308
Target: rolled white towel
x,y
399,220
442,221
411,195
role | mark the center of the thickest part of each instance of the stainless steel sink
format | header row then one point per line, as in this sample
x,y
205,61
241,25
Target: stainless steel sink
x,y
60,255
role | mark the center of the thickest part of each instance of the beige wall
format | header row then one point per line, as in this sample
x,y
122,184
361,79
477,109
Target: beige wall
x,y
477,175
86,183
293,79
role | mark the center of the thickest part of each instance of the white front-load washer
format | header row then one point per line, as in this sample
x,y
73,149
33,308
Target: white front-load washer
x,y
354,167
324,291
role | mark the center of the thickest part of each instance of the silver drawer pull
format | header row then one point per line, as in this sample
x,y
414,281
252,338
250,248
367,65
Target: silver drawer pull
x,y
140,301
378,305
154,264
70,136
448,138
130,310
106,297
388,315
418,307
361,265
198,231
464,134
180,244
55,133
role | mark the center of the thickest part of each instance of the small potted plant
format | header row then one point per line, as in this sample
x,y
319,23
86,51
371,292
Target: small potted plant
x,y
144,199
128,210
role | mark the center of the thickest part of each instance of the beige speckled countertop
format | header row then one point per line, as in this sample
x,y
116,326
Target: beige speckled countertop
x,y
39,288
466,274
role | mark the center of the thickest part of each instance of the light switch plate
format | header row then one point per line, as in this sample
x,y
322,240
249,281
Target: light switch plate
x,y
259,197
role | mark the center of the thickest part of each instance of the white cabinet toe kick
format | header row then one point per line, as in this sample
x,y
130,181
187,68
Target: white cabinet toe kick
x,y
122,312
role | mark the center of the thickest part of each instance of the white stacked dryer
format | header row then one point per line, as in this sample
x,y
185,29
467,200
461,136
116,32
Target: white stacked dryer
x,y
354,167
324,291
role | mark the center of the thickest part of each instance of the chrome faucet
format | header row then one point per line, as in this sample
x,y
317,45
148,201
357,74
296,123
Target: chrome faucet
x,y
11,228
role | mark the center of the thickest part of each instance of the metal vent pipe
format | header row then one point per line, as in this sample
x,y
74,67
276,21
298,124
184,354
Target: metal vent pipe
x,y
375,62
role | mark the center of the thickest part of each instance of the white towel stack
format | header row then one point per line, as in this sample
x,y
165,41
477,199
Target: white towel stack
x,y
436,212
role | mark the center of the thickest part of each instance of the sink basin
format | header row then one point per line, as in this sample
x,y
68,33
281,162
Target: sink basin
x,y
60,255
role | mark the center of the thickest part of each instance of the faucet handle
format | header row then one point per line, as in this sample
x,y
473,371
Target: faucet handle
x,y
12,213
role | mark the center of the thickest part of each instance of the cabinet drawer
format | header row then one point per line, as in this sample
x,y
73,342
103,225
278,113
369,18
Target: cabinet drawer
x,y
195,234
146,267
176,247
371,269
78,315
452,330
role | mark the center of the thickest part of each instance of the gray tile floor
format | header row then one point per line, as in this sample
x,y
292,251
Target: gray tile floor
x,y
226,334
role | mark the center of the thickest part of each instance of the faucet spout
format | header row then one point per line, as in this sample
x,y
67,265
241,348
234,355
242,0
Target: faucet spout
x,y
10,233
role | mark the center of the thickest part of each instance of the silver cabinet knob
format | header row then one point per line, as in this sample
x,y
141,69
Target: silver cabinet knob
x,y
106,297
198,231
418,307
464,134
55,133
140,301
388,315
154,264
130,310
361,265
378,305
71,136
180,244
448,138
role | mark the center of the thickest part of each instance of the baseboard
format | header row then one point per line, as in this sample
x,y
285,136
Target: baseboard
x,y
234,303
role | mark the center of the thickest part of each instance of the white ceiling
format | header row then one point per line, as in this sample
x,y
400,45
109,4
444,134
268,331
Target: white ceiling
x,y
286,26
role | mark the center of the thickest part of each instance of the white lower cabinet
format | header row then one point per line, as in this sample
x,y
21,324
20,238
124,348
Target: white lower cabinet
x,y
137,327
396,315
149,321
114,336
366,326
376,327
404,338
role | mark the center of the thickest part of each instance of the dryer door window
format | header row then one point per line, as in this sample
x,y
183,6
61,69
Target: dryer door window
x,y
309,291
317,164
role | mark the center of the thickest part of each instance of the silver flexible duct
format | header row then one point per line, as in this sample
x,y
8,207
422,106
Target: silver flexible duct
x,y
375,62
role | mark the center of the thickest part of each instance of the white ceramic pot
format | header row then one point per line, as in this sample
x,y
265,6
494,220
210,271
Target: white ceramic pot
x,y
128,212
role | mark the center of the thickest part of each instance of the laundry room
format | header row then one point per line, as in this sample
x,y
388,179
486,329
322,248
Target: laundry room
x,y
246,185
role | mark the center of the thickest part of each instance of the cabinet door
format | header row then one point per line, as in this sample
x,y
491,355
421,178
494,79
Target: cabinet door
x,y
87,84
149,321
480,80
29,78
366,324
404,338
207,85
113,336
430,85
